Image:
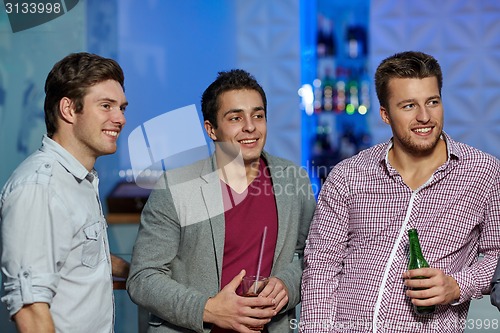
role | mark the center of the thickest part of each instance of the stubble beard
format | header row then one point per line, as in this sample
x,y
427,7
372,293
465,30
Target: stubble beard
x,y
417,149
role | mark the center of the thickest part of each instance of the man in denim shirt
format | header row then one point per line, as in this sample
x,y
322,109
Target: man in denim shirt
x,y
56,263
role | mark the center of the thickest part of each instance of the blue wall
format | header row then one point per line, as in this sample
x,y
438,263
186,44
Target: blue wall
x,y
170,52
25,59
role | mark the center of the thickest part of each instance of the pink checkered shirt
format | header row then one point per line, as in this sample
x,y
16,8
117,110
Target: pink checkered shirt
x,y
357,247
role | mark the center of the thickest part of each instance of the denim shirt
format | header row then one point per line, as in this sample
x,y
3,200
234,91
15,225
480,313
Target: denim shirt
x,y
54,241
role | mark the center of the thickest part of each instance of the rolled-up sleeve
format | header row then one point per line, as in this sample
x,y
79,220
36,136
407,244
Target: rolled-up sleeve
x,y
35,243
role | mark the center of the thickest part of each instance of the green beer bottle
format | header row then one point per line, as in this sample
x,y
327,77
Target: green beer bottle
x,y
417,260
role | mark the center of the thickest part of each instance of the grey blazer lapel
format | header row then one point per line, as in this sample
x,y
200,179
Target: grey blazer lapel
x,y
212,195
280,185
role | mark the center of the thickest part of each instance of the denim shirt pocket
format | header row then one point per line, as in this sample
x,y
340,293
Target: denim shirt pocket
x,y
92,252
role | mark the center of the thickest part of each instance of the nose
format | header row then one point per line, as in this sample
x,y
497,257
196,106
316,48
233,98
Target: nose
x,y
119,118
423,115
248,126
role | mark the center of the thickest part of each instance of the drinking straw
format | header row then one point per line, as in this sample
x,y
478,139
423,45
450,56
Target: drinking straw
x,y
260,258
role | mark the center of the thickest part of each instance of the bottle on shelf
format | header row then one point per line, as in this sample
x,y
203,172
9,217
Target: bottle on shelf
x,y
356,40
322,142
324,151
318,96
364,92
352,92
325,42
325,49
348,145
328,91
417,260
340,90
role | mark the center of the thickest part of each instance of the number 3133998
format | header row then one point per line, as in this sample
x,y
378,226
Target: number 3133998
x,y
33,7
473,324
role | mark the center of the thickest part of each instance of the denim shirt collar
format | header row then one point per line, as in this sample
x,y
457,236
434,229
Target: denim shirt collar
x,y
68,161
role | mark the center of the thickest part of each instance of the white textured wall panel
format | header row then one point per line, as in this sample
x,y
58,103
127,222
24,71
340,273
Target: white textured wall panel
x,y
465,38
268,46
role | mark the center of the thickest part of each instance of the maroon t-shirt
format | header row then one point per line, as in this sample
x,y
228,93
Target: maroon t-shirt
x,y
246,215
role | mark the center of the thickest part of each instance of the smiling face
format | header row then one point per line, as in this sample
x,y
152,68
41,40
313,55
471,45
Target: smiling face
x,y
96,129
241,126
415,114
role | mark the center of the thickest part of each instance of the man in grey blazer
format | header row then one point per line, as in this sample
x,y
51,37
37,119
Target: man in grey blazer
x,y
204,225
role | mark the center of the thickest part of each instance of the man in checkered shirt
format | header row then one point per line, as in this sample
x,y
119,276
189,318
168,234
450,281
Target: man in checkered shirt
x,y
356,257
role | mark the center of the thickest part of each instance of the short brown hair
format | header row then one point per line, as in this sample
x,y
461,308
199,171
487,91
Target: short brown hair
x,y
410,64
71,77
235,79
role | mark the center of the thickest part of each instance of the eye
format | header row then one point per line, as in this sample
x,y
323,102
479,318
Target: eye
x,y
106,106
408,106
123,109
434,102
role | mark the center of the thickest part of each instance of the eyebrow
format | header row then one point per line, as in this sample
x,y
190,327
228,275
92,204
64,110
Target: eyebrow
x,y
412,100
111,100
257,108
232,111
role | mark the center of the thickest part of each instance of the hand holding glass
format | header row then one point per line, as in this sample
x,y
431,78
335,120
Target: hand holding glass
x,y
251,286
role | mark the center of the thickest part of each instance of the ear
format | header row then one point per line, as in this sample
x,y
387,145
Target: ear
x,y
385,115
67,110
210,130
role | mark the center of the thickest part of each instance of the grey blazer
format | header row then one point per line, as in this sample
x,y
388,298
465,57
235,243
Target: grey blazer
x,y
177,258
495,287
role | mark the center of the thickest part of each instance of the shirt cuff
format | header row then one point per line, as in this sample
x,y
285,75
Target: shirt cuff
x,y
27,289
467,288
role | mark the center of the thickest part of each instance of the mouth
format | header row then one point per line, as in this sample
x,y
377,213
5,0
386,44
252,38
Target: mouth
x,y
422,130
113,134
248,141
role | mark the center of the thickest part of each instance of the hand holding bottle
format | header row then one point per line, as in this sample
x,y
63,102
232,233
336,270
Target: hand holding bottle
x,y
416,262
427,286
434,288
